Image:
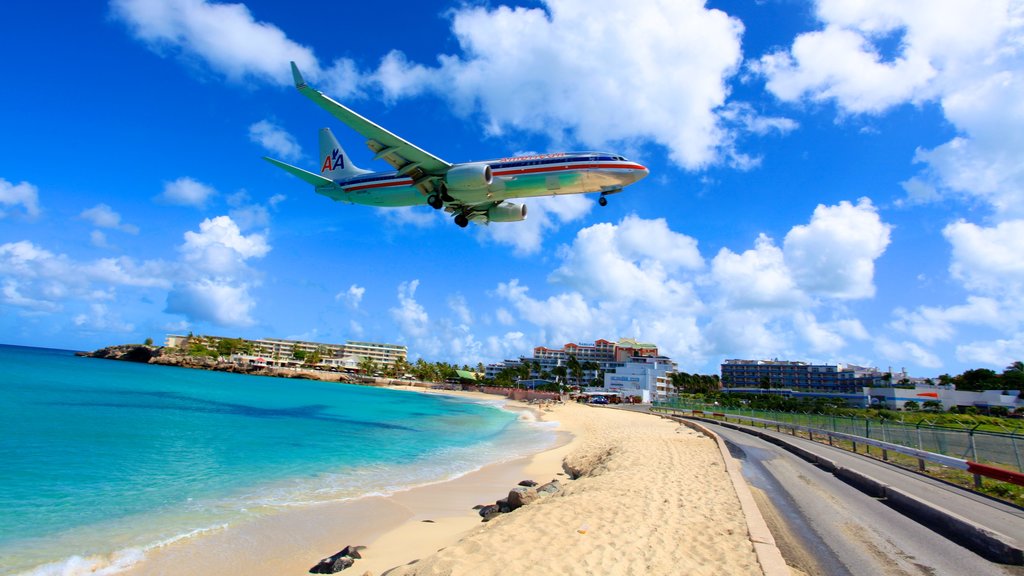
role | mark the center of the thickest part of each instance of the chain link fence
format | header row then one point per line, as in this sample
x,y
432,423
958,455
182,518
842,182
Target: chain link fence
x,y
1004,449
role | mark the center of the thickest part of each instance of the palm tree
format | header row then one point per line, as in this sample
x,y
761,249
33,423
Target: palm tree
x,y
575,368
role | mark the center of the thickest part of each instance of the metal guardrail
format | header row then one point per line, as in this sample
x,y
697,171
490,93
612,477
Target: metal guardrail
x,y
1004,449
922,455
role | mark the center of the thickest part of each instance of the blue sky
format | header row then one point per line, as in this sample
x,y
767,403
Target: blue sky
x,y
830,181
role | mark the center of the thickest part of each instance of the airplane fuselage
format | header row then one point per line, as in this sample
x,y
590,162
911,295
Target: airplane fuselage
x,y
515,177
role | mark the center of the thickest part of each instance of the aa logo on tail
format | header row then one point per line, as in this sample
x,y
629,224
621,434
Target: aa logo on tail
x,y
333,162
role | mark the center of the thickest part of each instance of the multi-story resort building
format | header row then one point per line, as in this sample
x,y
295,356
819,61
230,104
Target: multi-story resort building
x,y
855,385
290,353
626,367
802,376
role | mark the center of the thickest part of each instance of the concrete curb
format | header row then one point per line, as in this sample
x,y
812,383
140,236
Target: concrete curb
x,y
768,554
986,543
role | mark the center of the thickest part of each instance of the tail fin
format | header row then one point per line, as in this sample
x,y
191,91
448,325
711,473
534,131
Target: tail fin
x,y
334,163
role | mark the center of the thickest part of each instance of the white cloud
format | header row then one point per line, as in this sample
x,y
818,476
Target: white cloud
x,y
631,261
543,215
213,300
996,353
541,70
36,280
220,248
415,216
186,192
353,296
988,259
930,324
757,278
640,278
215,283
412,318
101,319
22,195
103,216
227,36
457,304
275,139
834,254
964,55
504,317
533,69
906,351
99,239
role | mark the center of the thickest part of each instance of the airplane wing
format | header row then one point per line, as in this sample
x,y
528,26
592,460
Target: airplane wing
x,y
422,166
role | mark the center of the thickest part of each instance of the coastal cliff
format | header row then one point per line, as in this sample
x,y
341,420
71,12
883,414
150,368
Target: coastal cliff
x,y
163,356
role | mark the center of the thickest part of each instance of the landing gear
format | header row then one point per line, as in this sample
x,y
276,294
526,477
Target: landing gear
x,y
602,201
461,221
435,202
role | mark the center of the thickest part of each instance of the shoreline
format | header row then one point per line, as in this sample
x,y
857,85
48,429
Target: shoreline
x,y
397,528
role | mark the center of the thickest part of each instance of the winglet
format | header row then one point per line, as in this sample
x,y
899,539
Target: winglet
x,y
299,82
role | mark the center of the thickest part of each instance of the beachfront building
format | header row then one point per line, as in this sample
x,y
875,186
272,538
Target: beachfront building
x,y
855,385
645,376
765,375
277,352
625,368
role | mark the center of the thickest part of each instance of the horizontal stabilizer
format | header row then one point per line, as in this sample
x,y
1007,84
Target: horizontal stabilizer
x,y
314,179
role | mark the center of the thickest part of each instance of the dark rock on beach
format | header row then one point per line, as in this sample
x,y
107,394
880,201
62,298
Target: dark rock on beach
x,y
521,496
340,561
550,488
529,483
489,509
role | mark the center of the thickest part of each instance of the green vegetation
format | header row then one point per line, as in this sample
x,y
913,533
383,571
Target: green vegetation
x,y
695,383
979,379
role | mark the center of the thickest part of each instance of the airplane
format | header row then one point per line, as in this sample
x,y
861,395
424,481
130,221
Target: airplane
x,y
472,191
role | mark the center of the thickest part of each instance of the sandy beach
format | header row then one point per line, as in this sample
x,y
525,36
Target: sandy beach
x,y
650,497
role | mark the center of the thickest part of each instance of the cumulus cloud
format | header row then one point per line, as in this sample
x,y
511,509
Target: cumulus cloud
x,y
757,278
353,296
988,259
37,280
220,248
411,317
964,55
219,301
275,139
415,216
22,195
215,285
639,277
995,353
541,70
906,351
544,214
633,260
834,255
529,69
103,216
986,262
186,192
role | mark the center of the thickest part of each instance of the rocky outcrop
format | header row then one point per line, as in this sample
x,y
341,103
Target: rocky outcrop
x,y
522,495
171,357
128,352
338,562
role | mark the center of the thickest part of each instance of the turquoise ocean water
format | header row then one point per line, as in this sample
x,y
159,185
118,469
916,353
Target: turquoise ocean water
x,y
102,460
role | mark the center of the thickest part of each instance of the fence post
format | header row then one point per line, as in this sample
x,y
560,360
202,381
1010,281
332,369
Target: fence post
x,y
867,434
974,456
1016,452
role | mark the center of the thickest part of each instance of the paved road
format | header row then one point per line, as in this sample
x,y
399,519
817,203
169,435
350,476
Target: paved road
x,y
825,526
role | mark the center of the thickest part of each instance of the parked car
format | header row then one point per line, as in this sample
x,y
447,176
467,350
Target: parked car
x,y
598,400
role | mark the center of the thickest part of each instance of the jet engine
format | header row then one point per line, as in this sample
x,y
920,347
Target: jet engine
x,y
507,212
468,177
